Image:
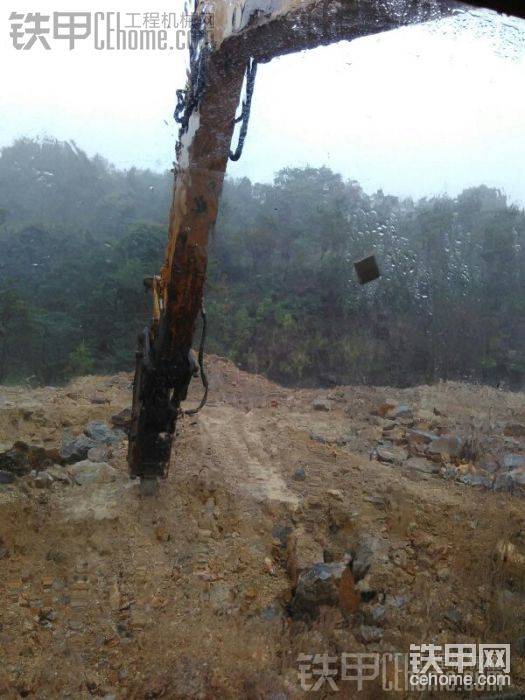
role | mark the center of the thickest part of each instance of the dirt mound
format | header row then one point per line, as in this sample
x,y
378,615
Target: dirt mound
x,y
279,531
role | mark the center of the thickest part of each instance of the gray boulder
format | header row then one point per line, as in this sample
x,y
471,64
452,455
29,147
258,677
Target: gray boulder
x,y
87,472
74,449
513,461
503,482
391,455
319,585
100,432
98,454
321,405
517,476
6,477
446,445
299,474
420,437
368,634
370,550
476,480
420,464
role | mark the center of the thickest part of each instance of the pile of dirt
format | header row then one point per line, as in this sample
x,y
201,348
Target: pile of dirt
x,y
284,528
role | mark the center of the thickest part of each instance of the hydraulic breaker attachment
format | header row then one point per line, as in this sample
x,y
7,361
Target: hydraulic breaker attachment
x,y
159,387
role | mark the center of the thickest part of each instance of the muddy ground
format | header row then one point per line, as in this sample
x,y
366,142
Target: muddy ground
x,y
192,594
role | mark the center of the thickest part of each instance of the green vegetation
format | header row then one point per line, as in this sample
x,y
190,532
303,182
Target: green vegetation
x,y
77,236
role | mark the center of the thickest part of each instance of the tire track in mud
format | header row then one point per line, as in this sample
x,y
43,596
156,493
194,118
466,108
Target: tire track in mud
x,y
243,455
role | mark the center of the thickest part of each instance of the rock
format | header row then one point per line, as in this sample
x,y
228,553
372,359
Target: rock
x,y
336,494
75,449
489,464
519,646
370,550
321,405
377,612
122,419
397,601
388,424
324,584
344,440
302,552
365,588
100,432
513,461
517,476
399,411
454,616
338,395
97,454
339,516
443,573
162,532
299,474
425,416
445,446
391,455
385,408
515,430
59,473
21,458
503,482
15,461
421,464
220,597
75,625
420,437
395,435
99,399
43,480
272,612
6,477
450,472
476,480
316,437
86,472
269,566
368,634
511,564
281,533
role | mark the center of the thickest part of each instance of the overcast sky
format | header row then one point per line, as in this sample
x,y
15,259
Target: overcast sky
x,y
419,111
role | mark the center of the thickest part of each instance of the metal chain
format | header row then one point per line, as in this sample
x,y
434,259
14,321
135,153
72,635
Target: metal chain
x,y
244,117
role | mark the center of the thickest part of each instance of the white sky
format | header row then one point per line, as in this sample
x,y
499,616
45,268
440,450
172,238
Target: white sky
x,y
419,111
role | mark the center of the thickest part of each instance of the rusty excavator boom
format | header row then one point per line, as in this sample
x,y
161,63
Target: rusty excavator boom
x,y
228,39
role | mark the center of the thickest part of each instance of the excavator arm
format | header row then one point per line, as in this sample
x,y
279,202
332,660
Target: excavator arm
x,y
243,32
164,365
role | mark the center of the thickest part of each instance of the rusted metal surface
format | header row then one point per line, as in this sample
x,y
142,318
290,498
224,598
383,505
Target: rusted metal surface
x,y
261,30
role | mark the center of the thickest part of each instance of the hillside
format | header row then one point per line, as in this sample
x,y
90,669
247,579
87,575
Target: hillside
x,y
77,237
